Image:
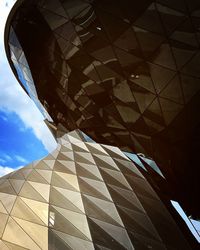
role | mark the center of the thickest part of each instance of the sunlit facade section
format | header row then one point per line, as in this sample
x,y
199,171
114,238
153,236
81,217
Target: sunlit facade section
x,y
84,195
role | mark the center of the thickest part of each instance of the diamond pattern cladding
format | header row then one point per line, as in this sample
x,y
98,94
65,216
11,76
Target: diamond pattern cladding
x,y
83,196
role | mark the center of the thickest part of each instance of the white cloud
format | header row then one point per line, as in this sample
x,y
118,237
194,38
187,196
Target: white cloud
x,y
5,170
4,118
2,161
5,158
20,159
12,96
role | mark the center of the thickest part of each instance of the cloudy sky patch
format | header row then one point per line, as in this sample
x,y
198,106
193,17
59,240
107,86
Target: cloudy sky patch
x,y
20,120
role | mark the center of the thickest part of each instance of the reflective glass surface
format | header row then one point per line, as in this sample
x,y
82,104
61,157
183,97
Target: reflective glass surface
x,y
125,72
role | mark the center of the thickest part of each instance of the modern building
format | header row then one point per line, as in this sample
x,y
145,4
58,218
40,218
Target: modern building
x,y
84,196
124,74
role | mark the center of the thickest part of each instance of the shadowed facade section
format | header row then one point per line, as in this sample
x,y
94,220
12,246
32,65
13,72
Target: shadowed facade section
x,y
124,72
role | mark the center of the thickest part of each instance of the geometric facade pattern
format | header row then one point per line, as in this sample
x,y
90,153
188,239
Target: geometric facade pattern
x,y
83,195
142,64
141,58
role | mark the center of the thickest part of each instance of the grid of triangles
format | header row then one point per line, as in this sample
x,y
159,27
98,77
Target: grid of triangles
x,y
83,196
125,72
120,71
140,58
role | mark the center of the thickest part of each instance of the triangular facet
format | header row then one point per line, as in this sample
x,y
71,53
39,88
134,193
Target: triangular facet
x,y
103,211
7,201
72,197
105,161
15,234
22,211
88,170
118,233
76,219
17,184
75,242
94,188
35,231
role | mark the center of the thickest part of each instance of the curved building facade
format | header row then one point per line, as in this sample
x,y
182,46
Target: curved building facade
x,y
84,196
126,73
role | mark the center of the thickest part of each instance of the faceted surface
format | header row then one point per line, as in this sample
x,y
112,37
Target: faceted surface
x,y
125,72
83,196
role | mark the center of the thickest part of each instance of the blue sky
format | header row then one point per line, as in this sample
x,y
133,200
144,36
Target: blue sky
x,y
24,136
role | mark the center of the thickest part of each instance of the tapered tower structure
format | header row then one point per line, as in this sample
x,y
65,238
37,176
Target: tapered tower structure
x,y
124,74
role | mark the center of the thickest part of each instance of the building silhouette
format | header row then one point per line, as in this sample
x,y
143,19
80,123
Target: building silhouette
x,y
118,84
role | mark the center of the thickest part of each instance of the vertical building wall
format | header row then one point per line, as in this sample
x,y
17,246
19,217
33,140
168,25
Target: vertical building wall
x,y
83,195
